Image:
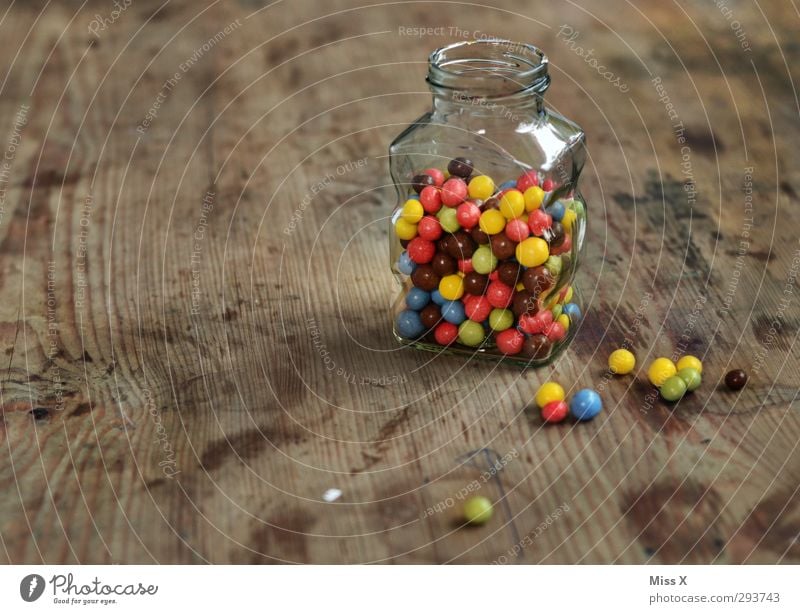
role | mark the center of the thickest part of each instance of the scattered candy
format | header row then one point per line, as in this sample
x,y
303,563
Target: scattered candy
x,y
673,388
736,379
555,411
549,392
689,361
691,377
621,362
477,510
586,404
660,370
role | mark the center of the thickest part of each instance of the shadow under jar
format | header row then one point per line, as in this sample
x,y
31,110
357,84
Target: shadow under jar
x,y
490,223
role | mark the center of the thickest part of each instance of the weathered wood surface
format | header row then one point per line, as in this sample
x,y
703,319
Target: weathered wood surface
x,y
184,380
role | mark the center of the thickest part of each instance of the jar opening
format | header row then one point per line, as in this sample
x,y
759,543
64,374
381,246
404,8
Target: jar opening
x,y
489,68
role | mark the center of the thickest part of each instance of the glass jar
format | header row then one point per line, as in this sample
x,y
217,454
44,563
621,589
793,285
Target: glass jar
x,y
489,223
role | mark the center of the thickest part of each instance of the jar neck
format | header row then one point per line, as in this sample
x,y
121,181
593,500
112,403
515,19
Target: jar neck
x,y
491,78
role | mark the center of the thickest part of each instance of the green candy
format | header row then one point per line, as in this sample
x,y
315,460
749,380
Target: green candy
x,y
553,264
673,388
471,333
691,377
557,309
477,510
448,220
483,260
500,319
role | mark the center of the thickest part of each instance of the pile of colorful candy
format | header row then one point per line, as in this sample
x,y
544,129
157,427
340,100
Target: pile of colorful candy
x,y
486,265
551,399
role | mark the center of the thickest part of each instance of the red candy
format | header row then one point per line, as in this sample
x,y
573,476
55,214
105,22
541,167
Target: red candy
x,y
454,191
436,174
493,276
477,308
555,331
465,266
555,411
510,341
529,324
429,228
541,321
445,333
539,221
517,230
431,199
468,214
526,180
548,185
420,250
499,294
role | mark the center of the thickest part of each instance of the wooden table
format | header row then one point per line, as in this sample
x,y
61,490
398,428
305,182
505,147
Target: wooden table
x,y
195,290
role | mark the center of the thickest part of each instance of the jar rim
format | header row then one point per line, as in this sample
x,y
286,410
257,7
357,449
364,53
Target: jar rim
x,y
489,67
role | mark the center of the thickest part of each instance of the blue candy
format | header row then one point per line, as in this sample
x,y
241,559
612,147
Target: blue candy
x,y
409,325
417,298
556,210
586,404
437,298
573,311
405,265
453,312
511,183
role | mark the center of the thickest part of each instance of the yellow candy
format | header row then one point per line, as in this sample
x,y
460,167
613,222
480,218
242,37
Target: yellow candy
x,y
512,204
569,219
533,198
481,187
492,221
412,211
568,295
563,319
405,230
520,287
660,371
621,362
691,362
549,392
533,251
451,287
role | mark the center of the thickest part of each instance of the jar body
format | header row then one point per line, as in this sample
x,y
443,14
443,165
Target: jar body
x,y
488,228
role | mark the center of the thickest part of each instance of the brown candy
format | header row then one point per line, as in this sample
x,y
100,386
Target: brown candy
x,y
537,279
736,379
491,203
480,237
460,167
430,315
510,273
443,264
475,283
425,277
502,247
420,182
555,234
460,246
524,302
536,346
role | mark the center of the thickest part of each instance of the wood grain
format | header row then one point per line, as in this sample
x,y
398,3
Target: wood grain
x,y
184,380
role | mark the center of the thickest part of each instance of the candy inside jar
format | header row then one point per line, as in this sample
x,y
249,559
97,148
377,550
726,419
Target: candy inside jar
x,y
489,222
483,264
